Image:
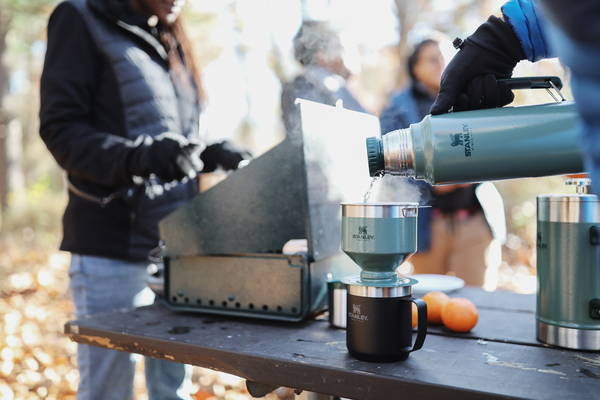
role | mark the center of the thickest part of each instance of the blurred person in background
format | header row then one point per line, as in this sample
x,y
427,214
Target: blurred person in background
x,y
119,112
462,232
318,48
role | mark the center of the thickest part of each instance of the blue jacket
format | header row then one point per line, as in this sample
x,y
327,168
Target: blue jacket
x,y
523,17
406,107
571,33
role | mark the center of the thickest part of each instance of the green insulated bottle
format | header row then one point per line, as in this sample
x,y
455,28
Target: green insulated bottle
x,y
473,146
568,273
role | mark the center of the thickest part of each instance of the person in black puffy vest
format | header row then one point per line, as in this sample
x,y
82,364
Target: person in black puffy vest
x,y
119,112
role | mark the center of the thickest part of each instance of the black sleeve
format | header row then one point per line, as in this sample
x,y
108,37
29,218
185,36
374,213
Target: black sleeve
x,y
70,75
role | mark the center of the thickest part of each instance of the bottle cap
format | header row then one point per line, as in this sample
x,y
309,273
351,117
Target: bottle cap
x,y
375,156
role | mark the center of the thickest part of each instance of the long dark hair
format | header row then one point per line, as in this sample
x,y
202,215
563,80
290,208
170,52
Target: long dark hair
x,y
175,38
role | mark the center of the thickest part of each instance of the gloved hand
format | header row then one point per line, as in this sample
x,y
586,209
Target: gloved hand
x,y
469,81
222,154
169,156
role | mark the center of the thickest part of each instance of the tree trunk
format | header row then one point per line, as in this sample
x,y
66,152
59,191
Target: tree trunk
x,y
4,75
408,12
402,7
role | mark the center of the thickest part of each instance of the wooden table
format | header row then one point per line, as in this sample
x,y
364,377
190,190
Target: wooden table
x,y
500,358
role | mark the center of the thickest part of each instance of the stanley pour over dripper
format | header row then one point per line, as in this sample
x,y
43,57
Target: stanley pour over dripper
x,y
378,237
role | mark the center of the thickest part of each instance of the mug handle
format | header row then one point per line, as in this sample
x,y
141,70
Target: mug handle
x,y
421,324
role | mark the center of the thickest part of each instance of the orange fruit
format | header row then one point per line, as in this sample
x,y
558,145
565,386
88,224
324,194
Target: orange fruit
x,y
460,315
415,315
575,176
435,302
201,395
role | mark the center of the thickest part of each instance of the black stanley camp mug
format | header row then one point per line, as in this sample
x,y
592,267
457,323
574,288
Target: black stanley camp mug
x,y
379,323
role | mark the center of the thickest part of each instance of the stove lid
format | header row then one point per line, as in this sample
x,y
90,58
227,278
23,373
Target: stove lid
x,y
293,191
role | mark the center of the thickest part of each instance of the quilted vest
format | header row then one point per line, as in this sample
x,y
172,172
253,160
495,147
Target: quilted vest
x,y
149,102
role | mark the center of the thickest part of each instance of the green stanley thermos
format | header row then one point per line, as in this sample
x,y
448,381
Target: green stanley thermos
x,y
568,273
481,145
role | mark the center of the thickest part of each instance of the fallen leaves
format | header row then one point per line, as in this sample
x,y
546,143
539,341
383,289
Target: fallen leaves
x,y
37,361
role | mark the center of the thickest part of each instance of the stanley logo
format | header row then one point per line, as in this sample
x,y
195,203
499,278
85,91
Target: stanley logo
x,y
356,314
363,234
456,139
464,139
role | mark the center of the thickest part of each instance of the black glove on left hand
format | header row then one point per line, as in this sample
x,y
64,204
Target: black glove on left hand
x,y
469,81
222,154
169,156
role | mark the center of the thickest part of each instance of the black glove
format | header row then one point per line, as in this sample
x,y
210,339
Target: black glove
x,y
169,156
222,154
469,81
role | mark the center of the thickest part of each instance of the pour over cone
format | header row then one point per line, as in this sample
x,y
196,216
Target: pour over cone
x,y
379,236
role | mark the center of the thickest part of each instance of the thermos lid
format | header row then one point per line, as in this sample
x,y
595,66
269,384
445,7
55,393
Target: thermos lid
x,y
375,156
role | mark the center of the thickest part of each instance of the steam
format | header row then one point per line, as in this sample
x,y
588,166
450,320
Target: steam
x,y
391,188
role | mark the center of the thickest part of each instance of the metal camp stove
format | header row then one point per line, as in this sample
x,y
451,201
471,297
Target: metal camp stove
x,y
223,251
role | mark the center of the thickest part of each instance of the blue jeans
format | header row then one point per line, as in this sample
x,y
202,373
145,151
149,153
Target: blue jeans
x,y
100,285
